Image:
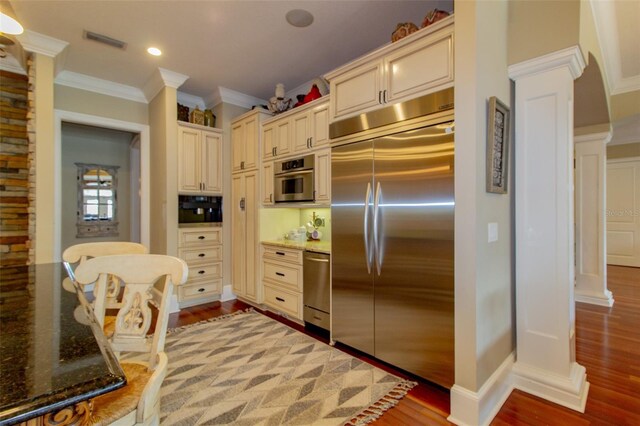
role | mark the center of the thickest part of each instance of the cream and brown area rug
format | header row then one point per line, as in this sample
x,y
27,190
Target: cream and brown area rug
x,y
248,369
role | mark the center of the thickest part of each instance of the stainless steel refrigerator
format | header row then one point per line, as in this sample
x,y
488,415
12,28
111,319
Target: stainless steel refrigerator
x,y
392,215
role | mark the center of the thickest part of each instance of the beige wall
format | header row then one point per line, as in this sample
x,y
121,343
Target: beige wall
x,y
538,27
624,151
625,105
157,184
85,102
483,271
45,160
225,113
86,144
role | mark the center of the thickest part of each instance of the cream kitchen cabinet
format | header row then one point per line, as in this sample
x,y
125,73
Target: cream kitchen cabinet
x,y
201,248
244,233
267,183
282,280
276,138
199,159
245,140
419,64
310,127
323,177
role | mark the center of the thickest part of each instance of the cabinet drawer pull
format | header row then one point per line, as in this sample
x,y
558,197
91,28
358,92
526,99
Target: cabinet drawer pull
x,y
279,253
200,290
280,274
201,237
279,299
201,272
201,255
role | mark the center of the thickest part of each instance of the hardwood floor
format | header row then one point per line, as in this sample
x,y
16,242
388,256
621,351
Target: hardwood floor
x,y
607,344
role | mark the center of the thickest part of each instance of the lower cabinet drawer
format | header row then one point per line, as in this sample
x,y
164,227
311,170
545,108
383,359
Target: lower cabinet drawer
x,y
197,290
192,255
213,270
285,274
283,300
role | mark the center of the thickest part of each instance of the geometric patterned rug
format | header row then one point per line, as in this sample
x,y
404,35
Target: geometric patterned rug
x,y
248,369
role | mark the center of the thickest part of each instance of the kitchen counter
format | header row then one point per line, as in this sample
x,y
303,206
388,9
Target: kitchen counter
x,y
317,246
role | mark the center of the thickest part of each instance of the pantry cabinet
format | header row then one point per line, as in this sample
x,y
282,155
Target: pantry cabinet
x,y
419,64
199,159
245,141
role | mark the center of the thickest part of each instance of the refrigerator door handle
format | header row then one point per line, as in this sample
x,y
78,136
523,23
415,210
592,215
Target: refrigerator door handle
x,y
365,234
376,237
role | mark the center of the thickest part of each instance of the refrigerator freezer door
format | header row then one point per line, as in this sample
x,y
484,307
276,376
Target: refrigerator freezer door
x,y
414,248
352,278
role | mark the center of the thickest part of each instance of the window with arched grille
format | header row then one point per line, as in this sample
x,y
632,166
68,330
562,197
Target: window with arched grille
x,y
97,200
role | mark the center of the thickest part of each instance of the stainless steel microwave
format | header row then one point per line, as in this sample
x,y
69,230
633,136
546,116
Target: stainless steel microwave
x,y
293,180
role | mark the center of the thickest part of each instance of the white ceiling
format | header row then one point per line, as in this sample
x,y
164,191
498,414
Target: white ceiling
x,y
246,46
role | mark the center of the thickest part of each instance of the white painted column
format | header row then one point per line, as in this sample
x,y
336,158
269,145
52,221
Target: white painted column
x,y
591,250
545,311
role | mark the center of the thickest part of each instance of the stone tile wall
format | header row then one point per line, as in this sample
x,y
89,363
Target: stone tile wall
x,y
14,170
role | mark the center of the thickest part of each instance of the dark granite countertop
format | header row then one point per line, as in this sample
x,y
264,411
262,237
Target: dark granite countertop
x,y
52,351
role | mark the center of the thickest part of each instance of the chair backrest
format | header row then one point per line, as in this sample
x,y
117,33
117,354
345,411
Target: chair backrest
x,y
139,272
80,252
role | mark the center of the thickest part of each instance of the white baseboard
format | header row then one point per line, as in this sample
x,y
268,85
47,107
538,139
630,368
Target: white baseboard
x,y
600,299
570,392
227,294
470,408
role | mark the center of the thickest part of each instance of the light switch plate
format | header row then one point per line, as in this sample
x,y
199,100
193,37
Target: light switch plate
x,y
492,230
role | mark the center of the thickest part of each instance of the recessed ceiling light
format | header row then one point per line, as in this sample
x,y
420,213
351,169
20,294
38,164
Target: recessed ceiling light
x,y
8,25
299,18
154,51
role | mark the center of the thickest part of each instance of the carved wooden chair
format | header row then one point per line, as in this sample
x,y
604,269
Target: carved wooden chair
x,y
138,403
79,253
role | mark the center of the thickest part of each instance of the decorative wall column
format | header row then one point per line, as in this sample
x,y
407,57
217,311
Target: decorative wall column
x,y
591,243
545,311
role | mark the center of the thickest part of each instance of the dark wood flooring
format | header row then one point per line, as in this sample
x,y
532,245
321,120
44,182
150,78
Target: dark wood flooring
x,y
607,344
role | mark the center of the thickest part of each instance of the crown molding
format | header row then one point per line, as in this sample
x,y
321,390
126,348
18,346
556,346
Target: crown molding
x,y
162,78
230,96
40,43
98,85
624,85
190,100
626,130
571,58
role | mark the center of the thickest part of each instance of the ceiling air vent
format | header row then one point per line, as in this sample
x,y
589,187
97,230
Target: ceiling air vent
x,y
104,39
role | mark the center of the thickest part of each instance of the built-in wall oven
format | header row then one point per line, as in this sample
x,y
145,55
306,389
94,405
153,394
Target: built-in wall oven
x,y
293,180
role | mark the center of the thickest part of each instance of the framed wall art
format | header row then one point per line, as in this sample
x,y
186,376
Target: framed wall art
x,y
497,146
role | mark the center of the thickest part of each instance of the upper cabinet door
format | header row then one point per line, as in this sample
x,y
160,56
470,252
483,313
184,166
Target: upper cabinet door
x,y
268,141
300,132
357,90
188,160
211,162
420,67
283,137
237,146
319,120
251,149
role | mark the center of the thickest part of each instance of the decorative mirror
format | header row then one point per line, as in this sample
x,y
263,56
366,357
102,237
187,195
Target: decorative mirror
x,y
97,200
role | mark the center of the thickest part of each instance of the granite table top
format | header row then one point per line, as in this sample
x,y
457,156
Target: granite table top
x,y
53,353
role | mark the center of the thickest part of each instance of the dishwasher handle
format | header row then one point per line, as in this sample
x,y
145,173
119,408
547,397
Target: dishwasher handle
x,y
315,259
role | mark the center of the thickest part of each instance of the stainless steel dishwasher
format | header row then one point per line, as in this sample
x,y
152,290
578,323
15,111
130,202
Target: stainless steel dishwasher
x,y
316,297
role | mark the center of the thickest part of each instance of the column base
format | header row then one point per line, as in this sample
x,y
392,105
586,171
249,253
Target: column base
x,y
570,392
602,299
479,408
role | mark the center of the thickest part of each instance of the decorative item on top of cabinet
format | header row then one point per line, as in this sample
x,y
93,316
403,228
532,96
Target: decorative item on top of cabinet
x,y
199,159
245,140
183,113
197,116
433,16
403,30
201,248
414,66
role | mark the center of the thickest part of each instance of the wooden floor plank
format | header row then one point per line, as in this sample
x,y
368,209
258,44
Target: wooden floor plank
x,y
607,345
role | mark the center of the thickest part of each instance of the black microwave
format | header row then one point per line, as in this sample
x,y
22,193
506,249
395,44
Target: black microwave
x,y
199,209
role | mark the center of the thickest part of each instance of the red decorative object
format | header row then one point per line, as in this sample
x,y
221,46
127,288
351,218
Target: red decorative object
x,y
313,94
434,16
402,30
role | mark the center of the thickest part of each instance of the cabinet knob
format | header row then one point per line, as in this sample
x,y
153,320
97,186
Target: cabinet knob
x,y
279,299
279,253
201,237
200,290
201,272
311,142
201,255
271,198
280,274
